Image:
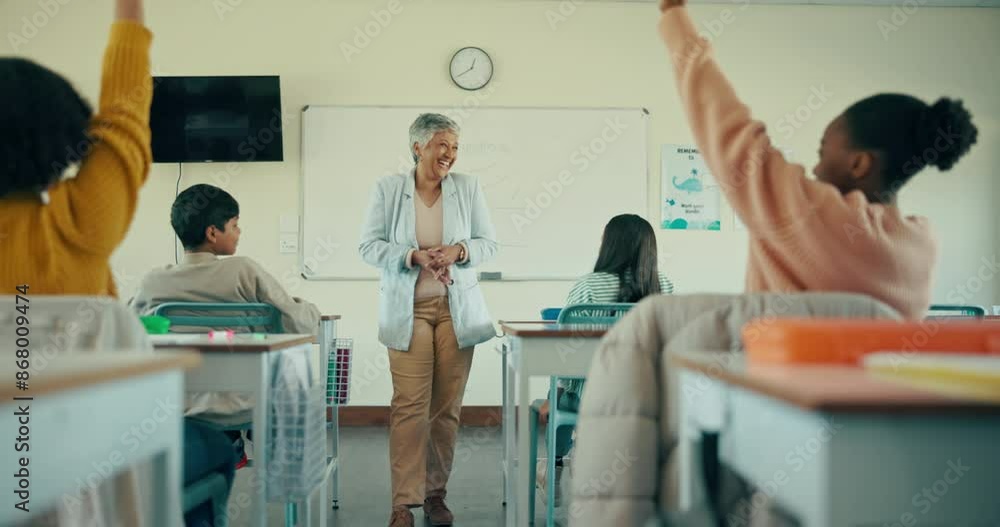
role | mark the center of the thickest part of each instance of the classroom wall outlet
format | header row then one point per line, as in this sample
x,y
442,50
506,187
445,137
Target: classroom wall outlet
x,y
288,244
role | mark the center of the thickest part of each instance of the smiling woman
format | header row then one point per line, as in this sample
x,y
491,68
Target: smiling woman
x,y
426,229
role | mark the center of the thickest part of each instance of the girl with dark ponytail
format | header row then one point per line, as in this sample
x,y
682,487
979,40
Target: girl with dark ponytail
x,y
841,231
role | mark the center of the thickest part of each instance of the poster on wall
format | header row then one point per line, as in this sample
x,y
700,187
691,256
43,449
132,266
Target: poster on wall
x,y
689,195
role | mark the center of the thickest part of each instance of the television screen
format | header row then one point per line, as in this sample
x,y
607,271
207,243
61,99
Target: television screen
x,y
205,119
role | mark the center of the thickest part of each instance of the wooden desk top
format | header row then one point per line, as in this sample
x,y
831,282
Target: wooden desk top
x,y
827,388
87,369
329,317
239,343
552,330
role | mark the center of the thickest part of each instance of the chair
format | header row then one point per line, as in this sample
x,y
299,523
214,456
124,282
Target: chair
x,y
211,488
590,314
207,315
942,310
551,313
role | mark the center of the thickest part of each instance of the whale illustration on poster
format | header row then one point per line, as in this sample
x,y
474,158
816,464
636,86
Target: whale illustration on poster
x,y
689,195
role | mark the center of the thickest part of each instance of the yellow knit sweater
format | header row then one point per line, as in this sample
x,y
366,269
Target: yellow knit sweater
x,y
63,247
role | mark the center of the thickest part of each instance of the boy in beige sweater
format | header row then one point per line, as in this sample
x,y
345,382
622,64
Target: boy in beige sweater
x,y
206,219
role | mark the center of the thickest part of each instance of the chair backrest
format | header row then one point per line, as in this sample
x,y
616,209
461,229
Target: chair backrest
x,y
593,313
551,313
235,316
944,310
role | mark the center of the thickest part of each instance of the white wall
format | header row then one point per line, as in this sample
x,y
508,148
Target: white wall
x,y
602,54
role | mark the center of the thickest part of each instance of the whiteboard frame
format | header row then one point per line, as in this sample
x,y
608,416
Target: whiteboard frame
x,y
645,114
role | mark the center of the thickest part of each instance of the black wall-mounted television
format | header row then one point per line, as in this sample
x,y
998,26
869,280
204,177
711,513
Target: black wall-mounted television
x,y
211,119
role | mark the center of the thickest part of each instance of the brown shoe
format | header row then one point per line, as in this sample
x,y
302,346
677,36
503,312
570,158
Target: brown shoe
x,y
437,512
401,517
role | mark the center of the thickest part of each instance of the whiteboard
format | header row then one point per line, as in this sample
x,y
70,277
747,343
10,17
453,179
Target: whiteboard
x,y
552,177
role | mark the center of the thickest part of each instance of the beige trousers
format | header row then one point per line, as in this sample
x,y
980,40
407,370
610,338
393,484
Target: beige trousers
x,y
428,382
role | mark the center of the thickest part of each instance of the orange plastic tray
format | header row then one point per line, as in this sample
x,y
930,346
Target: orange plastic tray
x,y
846,341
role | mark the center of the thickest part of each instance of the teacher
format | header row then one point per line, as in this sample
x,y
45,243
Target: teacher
x,y
426,229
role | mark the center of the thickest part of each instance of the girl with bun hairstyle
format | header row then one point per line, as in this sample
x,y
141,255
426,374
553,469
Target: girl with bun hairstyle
x,y
843,230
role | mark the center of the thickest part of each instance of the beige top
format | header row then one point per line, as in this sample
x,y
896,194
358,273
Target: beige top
x,y
429,224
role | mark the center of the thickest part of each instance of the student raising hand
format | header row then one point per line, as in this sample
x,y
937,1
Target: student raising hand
x,y
129,10
842,231
64,231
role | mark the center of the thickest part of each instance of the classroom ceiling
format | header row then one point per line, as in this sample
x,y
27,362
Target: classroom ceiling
x,y
930,3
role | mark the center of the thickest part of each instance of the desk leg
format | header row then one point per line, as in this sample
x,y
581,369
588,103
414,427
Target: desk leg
x,y
506,418
336,457
523,484
167,467
261,436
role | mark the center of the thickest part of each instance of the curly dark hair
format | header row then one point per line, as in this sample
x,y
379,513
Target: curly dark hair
x,y
44,126
909,134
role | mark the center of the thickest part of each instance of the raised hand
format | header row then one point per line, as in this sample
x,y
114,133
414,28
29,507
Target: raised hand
x,y
667,4
129,10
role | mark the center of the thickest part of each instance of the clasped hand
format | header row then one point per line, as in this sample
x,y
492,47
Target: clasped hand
x,y
438,260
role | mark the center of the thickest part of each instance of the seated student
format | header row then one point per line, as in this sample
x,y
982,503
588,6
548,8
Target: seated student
x,y
840,232
57,234
819,234
206,219
626,272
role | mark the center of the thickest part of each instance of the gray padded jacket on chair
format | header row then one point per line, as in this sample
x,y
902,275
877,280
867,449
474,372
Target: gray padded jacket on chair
x,y
626,433
62,325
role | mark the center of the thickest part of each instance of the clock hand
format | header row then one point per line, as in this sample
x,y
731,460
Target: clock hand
x,y
472,67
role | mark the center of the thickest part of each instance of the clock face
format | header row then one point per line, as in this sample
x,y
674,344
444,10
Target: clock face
x,y
471,68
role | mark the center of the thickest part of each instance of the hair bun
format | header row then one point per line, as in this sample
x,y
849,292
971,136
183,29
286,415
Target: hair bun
x,y
945,133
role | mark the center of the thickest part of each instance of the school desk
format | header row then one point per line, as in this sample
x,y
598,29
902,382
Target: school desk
x,y
242,363
534,349
836,446
90,416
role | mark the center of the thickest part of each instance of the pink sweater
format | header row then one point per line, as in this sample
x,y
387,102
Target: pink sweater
x,y
804,235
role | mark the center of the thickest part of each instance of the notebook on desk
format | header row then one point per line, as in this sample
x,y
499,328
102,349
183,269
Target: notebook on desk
x,y
974,376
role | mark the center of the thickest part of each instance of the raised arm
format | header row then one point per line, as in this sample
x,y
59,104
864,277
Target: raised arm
x,y
768,193
94,209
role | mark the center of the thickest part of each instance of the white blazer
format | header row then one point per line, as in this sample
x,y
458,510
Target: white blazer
x,y
388,235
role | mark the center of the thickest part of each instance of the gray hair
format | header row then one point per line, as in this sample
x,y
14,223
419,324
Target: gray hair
x,y
428,124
